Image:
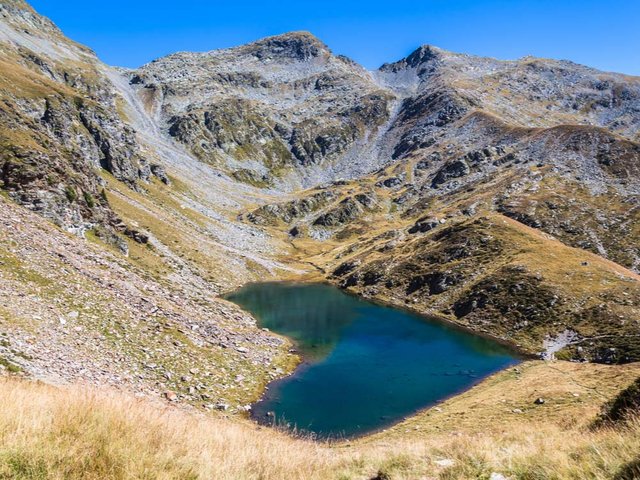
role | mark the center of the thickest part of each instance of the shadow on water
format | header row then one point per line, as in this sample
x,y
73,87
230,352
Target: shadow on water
x,y
365,366
313,316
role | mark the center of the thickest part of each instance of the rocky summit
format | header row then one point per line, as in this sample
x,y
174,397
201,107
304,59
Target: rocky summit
x,y
499,196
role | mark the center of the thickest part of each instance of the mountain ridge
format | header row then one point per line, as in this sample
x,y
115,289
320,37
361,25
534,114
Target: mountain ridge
x,y
433,183
413,56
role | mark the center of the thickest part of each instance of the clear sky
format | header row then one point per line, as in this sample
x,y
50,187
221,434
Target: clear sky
x,y
601,33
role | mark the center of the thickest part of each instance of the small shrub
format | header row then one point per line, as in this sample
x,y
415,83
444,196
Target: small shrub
x,y
11,367
89,199
21,465
382,475
71,194
391,465
621,408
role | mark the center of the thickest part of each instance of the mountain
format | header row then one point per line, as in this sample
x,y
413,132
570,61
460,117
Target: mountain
x,y
120,291
501,196
281,113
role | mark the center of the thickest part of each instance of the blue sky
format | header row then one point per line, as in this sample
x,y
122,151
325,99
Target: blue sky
x,y
602,34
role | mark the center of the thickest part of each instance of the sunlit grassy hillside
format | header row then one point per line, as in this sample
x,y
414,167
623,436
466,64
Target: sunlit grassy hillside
x,y
78,432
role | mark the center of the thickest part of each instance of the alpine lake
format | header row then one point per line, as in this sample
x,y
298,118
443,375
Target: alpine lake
x,y
365,366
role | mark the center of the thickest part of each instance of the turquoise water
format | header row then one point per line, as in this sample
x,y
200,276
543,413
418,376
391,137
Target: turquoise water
x,y
365,366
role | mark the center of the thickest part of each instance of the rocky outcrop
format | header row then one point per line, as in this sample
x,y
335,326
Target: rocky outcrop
x,y
346,210
456,169
284,109
59,125
424,225
293,210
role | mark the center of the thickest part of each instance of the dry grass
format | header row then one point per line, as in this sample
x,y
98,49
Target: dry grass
x,y
75,432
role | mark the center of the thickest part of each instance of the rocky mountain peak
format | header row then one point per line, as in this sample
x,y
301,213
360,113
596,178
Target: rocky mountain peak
x,y
22,27
298,46
425,54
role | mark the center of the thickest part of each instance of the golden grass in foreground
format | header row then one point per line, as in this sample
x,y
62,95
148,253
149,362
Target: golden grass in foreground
x,y
75,432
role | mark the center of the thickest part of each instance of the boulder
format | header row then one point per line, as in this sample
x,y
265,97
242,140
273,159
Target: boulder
x,y
424,225
456,169
171,396
160,173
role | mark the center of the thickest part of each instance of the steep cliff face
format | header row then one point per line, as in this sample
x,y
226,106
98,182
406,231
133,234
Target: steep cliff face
x,y
59,124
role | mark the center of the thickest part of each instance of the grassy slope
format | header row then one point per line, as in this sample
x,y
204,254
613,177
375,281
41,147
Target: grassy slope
x,y
595,222
498,257
77,432
185,237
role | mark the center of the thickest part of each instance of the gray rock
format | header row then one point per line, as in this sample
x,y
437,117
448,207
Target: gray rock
x,y
159,172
